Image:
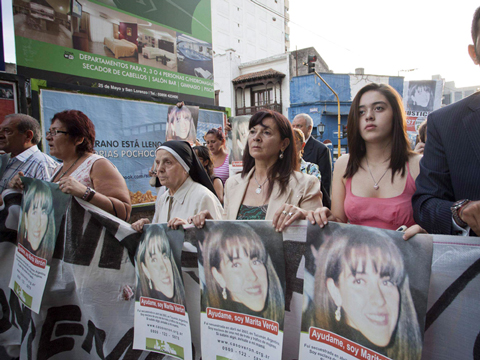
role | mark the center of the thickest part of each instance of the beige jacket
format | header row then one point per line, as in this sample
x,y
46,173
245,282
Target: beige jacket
x,y
303,191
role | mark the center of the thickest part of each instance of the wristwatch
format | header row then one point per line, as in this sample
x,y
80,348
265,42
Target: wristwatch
x,y
456,207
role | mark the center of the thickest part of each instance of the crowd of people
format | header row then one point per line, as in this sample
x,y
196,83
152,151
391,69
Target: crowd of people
x,y
286,176
373,184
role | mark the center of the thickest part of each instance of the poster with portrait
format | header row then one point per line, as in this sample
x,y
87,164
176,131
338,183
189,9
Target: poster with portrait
x,y
182,123
242,281
40,220
161,319
420,98
365,293
237,139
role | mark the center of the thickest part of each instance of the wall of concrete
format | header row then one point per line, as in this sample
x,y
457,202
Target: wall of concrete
x,y
253,31
298,57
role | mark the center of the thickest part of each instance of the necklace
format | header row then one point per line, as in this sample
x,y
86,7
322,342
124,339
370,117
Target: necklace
x,y
375,186
259,189
61,176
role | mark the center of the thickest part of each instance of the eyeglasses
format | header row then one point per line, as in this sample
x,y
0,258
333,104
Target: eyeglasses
x,y
54,132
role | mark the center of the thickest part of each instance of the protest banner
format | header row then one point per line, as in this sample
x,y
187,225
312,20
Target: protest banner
x,y
88,307
161,319
365,293
243,290
40,221
150,48
452,329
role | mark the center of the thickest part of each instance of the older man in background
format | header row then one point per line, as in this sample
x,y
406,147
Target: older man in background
x,y
314,151
19,136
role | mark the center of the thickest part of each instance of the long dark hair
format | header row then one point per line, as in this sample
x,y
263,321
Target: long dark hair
x,y
283,168
156,241
204,153
343,251
39,195
226,239
400,143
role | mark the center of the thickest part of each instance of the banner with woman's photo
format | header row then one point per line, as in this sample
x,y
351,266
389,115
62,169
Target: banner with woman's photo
x,y
161,318
242,280
365,293
237,139
40,220
88,306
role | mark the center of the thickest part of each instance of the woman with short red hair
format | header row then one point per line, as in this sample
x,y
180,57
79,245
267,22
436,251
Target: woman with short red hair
x,y
83,174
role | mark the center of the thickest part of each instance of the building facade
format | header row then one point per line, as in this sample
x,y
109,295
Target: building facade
x,y
244,32
308,94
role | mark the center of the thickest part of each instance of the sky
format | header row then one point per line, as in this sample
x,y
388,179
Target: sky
x,y
385,37
382,38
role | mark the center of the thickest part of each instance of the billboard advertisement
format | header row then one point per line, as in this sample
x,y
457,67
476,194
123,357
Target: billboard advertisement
x,y
156,48
127,132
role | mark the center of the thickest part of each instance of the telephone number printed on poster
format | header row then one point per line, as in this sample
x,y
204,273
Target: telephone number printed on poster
x,y
163,327
240,336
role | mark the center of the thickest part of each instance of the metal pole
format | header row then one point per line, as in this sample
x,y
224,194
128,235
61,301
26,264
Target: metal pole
x,y
339,117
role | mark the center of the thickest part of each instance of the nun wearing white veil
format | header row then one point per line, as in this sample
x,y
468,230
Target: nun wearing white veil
x,y
190,189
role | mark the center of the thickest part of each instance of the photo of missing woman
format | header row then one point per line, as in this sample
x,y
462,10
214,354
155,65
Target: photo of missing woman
x,y
41,217
243,269
238,136
157,264
421,95
182,123
369,286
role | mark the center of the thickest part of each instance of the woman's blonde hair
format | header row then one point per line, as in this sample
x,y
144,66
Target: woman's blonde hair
x,y
300,137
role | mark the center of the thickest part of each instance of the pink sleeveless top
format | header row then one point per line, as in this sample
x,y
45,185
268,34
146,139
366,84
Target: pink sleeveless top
x,y
383,213
222,171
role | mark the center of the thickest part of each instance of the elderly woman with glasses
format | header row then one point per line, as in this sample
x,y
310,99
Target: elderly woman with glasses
x,y
84,174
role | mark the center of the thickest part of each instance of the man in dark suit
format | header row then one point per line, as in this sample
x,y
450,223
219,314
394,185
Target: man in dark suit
x,y
447,200
314,151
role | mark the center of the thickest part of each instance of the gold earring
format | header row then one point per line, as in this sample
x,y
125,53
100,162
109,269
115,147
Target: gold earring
x,y
224,293
338,313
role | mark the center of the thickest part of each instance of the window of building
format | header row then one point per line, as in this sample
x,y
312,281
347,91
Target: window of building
x,y
458,95
469,92
261,97
447,99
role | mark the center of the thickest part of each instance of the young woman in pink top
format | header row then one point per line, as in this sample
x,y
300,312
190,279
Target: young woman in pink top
x,y
215,140
373,184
